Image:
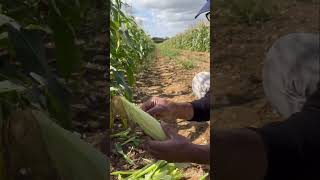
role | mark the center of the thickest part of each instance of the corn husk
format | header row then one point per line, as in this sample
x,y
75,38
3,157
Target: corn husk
x,y
148,124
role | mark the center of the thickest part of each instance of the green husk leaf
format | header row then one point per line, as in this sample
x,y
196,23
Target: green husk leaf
x,y
204,176
160,170
123,134
116,173
148,124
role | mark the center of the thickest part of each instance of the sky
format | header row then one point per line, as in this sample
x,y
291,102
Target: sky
x,y
165,18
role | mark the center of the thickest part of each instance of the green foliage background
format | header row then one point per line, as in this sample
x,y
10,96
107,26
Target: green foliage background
x,y
194,39
130,47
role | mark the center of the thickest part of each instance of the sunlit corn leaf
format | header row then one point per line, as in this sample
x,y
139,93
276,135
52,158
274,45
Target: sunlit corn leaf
x,y
123,134
158,170
130,73
132,139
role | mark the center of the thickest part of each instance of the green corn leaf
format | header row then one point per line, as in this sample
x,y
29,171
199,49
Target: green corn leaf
x,y
73,158
120,151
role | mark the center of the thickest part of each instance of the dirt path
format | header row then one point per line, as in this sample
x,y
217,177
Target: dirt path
x,y
168,77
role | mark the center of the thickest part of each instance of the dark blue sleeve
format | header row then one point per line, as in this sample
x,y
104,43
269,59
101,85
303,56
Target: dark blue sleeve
x,y
201,109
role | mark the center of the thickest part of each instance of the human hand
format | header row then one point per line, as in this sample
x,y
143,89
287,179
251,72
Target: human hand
x,y
178,148
166,110
160,108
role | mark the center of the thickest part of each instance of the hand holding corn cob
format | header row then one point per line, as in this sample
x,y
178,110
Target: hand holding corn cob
x,y
178,148
147,123
168,145
166,110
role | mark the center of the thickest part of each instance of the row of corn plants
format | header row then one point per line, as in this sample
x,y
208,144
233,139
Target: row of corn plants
x,y
196,38
130,46
130,49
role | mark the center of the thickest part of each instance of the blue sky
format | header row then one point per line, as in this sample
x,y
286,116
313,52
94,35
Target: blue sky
x,y
166,18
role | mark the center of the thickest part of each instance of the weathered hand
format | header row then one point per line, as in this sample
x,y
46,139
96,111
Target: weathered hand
x,y
165,110
178,148
160,108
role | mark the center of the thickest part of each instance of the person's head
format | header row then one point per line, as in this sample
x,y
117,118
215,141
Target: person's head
x,y
205,9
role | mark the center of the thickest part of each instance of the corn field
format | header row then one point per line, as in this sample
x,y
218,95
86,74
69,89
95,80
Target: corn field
x,y
130,49
129,46
194,39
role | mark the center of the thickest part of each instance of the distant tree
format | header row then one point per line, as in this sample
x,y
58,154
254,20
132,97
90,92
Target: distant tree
x,y
158,39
